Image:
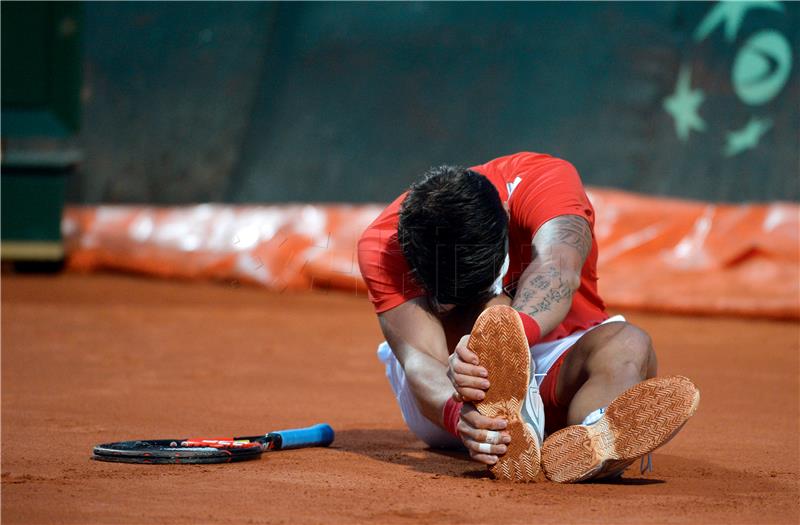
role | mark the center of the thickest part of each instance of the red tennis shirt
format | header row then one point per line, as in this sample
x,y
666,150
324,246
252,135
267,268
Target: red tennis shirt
x,y
536,188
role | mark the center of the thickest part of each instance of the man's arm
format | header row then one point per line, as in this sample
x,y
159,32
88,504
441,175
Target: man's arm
x,y
548,283
418,341
545,290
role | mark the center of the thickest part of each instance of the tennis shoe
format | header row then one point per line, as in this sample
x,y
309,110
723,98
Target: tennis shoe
x,y
498,339
638,421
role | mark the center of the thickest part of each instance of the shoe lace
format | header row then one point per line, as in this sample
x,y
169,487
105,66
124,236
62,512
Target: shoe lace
x,y
533,385
646,467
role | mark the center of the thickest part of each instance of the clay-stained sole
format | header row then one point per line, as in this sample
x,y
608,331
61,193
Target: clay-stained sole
x,y
640,420
498,338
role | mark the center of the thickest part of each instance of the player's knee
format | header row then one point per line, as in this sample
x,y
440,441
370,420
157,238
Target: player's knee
x,y
628,353
618,350
636,341
634,349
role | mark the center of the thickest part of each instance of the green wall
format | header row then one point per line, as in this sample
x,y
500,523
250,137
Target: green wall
x,y
263,102
41,51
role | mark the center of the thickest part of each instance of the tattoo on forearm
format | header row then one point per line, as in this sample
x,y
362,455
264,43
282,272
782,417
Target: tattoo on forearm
x,y
541,282
550,282
571,230
549,290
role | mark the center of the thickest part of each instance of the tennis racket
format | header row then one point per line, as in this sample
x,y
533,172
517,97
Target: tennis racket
x,y
212,450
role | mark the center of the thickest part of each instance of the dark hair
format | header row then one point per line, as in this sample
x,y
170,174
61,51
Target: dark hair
x,y
452,232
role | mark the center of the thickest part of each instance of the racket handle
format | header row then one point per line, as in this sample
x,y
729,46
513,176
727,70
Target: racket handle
x,y
320,435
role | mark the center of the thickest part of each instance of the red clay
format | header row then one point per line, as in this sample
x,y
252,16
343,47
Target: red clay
x,y
88,359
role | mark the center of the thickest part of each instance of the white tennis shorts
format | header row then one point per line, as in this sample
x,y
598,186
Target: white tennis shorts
x,y
543,354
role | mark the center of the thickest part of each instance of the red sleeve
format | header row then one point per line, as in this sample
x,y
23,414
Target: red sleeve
x,y
384,268
546,190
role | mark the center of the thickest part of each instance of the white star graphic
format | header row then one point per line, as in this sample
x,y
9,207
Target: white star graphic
x,y
748,137
731,14
683,105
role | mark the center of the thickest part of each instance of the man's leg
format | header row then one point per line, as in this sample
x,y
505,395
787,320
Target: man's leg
x,y
601,365
605,376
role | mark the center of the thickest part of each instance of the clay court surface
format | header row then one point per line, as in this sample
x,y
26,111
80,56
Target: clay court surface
x,y
88,359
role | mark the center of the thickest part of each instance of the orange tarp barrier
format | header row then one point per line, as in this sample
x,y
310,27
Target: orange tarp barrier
x,y
655,253
698,258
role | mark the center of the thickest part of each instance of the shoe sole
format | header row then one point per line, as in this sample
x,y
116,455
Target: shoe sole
x,y
498,339
640,420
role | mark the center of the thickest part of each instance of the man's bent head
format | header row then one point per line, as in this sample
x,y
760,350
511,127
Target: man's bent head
x,y
452,231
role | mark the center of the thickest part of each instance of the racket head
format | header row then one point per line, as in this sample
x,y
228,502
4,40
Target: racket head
x,y
161,451
148,460
212,450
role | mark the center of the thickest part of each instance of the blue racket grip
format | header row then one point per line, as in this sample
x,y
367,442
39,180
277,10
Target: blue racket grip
x,y
320,435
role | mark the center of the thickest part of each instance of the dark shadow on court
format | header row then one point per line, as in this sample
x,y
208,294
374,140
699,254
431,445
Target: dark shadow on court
x,y
399,447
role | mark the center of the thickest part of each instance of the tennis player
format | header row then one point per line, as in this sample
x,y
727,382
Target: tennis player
x,y
484,281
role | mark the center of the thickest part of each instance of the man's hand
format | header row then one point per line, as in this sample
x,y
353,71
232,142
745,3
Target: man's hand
x,y
466,374
483,436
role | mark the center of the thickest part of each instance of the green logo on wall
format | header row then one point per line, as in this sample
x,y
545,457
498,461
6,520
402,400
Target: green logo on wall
x,y
761,68
683,105
731,14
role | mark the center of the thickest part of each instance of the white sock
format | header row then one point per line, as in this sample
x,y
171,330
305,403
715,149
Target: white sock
x,y
593,417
